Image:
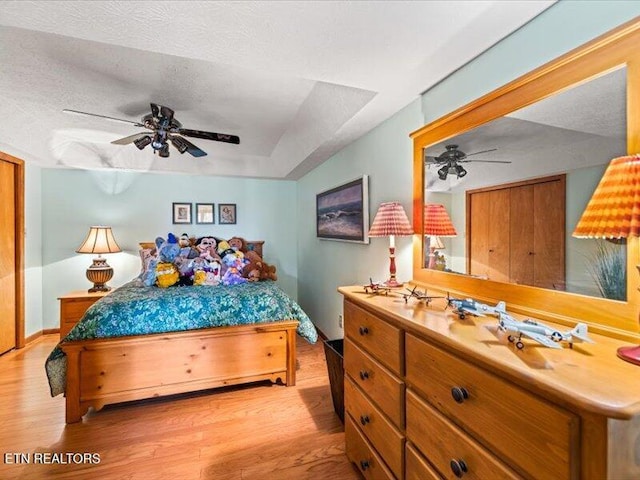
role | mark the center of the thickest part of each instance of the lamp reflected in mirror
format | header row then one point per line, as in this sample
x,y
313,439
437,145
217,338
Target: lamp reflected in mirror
x,y
613,213
437,223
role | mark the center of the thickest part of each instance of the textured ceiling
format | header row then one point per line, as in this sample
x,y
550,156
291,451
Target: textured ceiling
x,y
297,81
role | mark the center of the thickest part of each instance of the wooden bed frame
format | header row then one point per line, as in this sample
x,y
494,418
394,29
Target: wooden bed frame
x,y
112,370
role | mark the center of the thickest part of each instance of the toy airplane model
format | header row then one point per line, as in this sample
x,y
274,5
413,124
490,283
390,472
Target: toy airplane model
x,y
541,333
376,287
413,293
468,305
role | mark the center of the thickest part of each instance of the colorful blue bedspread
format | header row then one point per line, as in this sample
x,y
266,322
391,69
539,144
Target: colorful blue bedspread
x,y
136,310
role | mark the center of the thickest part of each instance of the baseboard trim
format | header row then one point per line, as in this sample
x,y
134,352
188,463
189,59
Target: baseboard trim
x,y
35,336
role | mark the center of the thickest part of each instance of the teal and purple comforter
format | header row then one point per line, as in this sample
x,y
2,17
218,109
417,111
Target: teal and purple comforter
x,y
137,310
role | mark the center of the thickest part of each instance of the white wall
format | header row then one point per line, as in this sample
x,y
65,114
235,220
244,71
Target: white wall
x,y
138,208
33,250
385,154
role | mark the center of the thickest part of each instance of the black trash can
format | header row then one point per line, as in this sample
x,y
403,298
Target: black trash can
x,y
334,351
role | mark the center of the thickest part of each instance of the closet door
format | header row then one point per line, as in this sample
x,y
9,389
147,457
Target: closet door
x,y
549,234
521,236
8,267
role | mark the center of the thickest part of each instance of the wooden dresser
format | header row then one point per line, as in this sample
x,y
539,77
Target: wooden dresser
x,y
428,395
72,307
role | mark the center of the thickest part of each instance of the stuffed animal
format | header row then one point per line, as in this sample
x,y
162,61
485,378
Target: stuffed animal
x,y
186,249
207,248
238,245
166,274
233,275
268,272
166,252
251,271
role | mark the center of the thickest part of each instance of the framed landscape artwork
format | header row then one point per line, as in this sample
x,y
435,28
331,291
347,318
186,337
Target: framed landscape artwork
x,y
342,213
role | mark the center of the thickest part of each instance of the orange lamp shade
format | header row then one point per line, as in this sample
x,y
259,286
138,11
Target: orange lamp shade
x,y
437,221
614,208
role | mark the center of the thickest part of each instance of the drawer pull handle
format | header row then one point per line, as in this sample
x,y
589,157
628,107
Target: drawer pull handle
x,y
364,374
363,331
459,394
364,419
364,464
458,467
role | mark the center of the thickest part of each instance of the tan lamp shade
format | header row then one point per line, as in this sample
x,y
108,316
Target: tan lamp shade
x,y
99,240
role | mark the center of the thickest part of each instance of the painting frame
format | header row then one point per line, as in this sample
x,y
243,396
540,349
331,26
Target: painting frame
x,y
182,213
349,202
205,214
227,214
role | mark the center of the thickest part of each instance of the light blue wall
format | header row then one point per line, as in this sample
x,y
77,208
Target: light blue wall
x,y
559,29
385,155
138,208
33,249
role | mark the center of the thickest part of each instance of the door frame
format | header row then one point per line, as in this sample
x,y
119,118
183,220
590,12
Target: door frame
x,y
19,243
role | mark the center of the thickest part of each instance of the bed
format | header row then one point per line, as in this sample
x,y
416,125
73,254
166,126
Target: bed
x,y
140,342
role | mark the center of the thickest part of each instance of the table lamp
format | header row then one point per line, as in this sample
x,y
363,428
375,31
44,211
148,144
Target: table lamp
x,y
613,213
436,224
390,220
99,240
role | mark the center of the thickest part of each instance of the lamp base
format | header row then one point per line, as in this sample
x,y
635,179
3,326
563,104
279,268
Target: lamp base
x,y
630,354
99,273
392,283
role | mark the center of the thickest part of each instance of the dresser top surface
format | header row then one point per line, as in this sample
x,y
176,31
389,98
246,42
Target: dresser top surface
x,y
589,376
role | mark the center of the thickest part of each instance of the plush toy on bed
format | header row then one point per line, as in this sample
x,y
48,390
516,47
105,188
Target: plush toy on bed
x,y
187,250
166,271
233,273
251,271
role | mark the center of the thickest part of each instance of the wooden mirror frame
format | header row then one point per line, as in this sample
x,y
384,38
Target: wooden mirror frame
x,y
606,53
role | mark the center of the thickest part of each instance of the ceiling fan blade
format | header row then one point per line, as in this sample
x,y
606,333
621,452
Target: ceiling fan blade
x,y
482,151
167,113
192,149
129,139
432,160
484,161
78,112
218,137
155,110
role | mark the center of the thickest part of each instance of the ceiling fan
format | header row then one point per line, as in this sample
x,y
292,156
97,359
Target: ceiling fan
x,y
165,129
451,159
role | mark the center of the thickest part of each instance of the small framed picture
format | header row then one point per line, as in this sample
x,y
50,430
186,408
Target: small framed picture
x,y
226,213
204,213
181,213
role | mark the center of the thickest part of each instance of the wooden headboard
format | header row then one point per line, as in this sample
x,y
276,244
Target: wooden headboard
x,y
255,245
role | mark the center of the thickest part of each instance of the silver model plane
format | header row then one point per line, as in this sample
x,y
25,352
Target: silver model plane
x,y
541,333
468,305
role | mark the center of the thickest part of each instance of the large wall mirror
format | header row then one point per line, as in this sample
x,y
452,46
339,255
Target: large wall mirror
x,y
515,169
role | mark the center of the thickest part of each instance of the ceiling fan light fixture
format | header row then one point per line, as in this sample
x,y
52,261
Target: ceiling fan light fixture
x,y
142,142
460,171
163,151
442,173
179,143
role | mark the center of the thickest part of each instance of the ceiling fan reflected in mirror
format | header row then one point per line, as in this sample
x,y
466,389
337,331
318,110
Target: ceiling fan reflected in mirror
x,y
164,130
451,160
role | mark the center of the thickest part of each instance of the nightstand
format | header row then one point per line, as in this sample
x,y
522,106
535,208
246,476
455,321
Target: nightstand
x,y
72,307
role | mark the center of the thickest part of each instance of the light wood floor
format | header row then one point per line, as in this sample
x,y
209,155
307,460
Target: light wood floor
x,y
262,432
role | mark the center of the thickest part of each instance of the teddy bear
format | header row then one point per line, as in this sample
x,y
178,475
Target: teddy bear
x,y
251,271
187,250
268,272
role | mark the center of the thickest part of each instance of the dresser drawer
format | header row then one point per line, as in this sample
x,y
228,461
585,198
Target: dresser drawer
x,y
520,428
362,454
380,432
417,467
386,391
72,310
374,335
447,447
